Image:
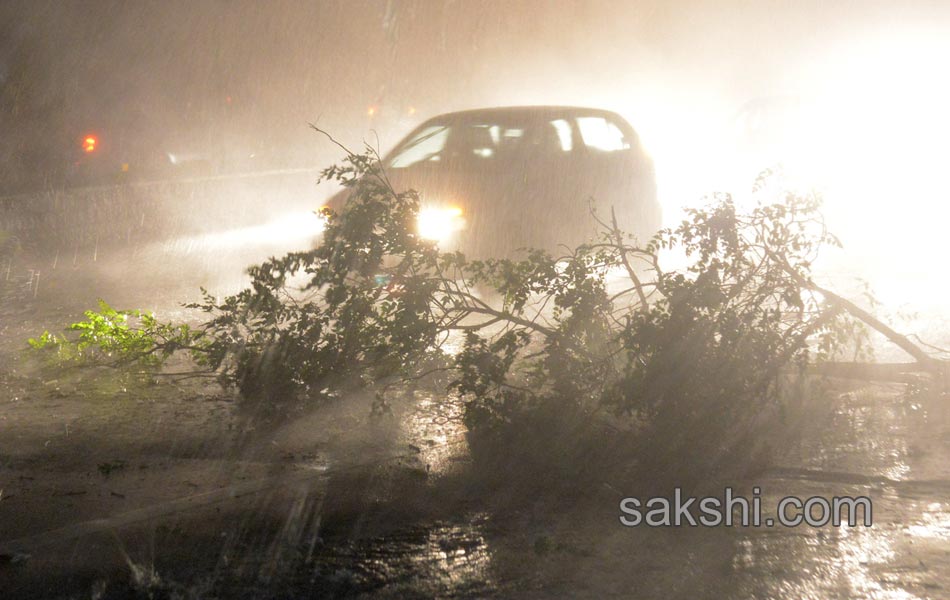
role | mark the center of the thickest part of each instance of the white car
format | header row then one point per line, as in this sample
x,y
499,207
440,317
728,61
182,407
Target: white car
x,y
495,180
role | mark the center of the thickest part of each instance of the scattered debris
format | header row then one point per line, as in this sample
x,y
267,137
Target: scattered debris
x,y
107,468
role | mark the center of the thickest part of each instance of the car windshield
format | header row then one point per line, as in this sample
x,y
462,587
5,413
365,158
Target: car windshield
x,y
484,141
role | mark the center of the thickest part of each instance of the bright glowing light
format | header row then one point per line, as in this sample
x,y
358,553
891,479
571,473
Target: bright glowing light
x,y
863,122
371,111
873,137
685,134
438,224
89,143
289,231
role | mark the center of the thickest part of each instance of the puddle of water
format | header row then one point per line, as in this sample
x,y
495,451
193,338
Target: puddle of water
x,y
878,432
934,522
442,560
434,426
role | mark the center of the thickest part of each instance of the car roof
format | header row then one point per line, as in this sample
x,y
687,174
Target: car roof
x,y
522,111
516,113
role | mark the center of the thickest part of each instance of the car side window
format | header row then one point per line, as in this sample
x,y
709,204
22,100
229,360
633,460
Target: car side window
x,y
426,145
565,134
474,141
598,133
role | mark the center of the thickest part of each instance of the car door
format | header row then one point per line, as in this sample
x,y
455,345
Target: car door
x,y
544,200
619,176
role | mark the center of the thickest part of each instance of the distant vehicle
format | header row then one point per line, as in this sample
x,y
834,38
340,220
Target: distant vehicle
x,y
119,152
499,179
101,159
106,156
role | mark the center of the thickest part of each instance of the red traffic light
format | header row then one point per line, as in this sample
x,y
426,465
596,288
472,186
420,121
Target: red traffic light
x,y
89,143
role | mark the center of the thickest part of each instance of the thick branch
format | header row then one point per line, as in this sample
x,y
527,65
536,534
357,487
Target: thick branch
x,y
901,341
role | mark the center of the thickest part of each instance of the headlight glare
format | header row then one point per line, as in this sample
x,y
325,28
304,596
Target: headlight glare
x,y
437,224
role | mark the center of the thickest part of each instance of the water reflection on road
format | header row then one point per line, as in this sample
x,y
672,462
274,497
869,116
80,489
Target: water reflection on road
x,y
883,441
891,447
876,441
444,561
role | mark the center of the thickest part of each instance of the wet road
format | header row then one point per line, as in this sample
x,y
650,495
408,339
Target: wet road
x,y
387,512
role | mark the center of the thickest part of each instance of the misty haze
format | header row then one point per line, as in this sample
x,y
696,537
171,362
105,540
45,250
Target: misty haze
x,y
437,299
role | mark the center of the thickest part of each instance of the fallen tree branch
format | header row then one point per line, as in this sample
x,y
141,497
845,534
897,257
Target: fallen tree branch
x,y
888,372
937,367
901,341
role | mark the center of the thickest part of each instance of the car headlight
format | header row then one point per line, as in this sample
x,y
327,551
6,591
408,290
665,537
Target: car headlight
x,y
437,224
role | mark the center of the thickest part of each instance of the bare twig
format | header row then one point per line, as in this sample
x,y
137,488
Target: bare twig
x,y
615,231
